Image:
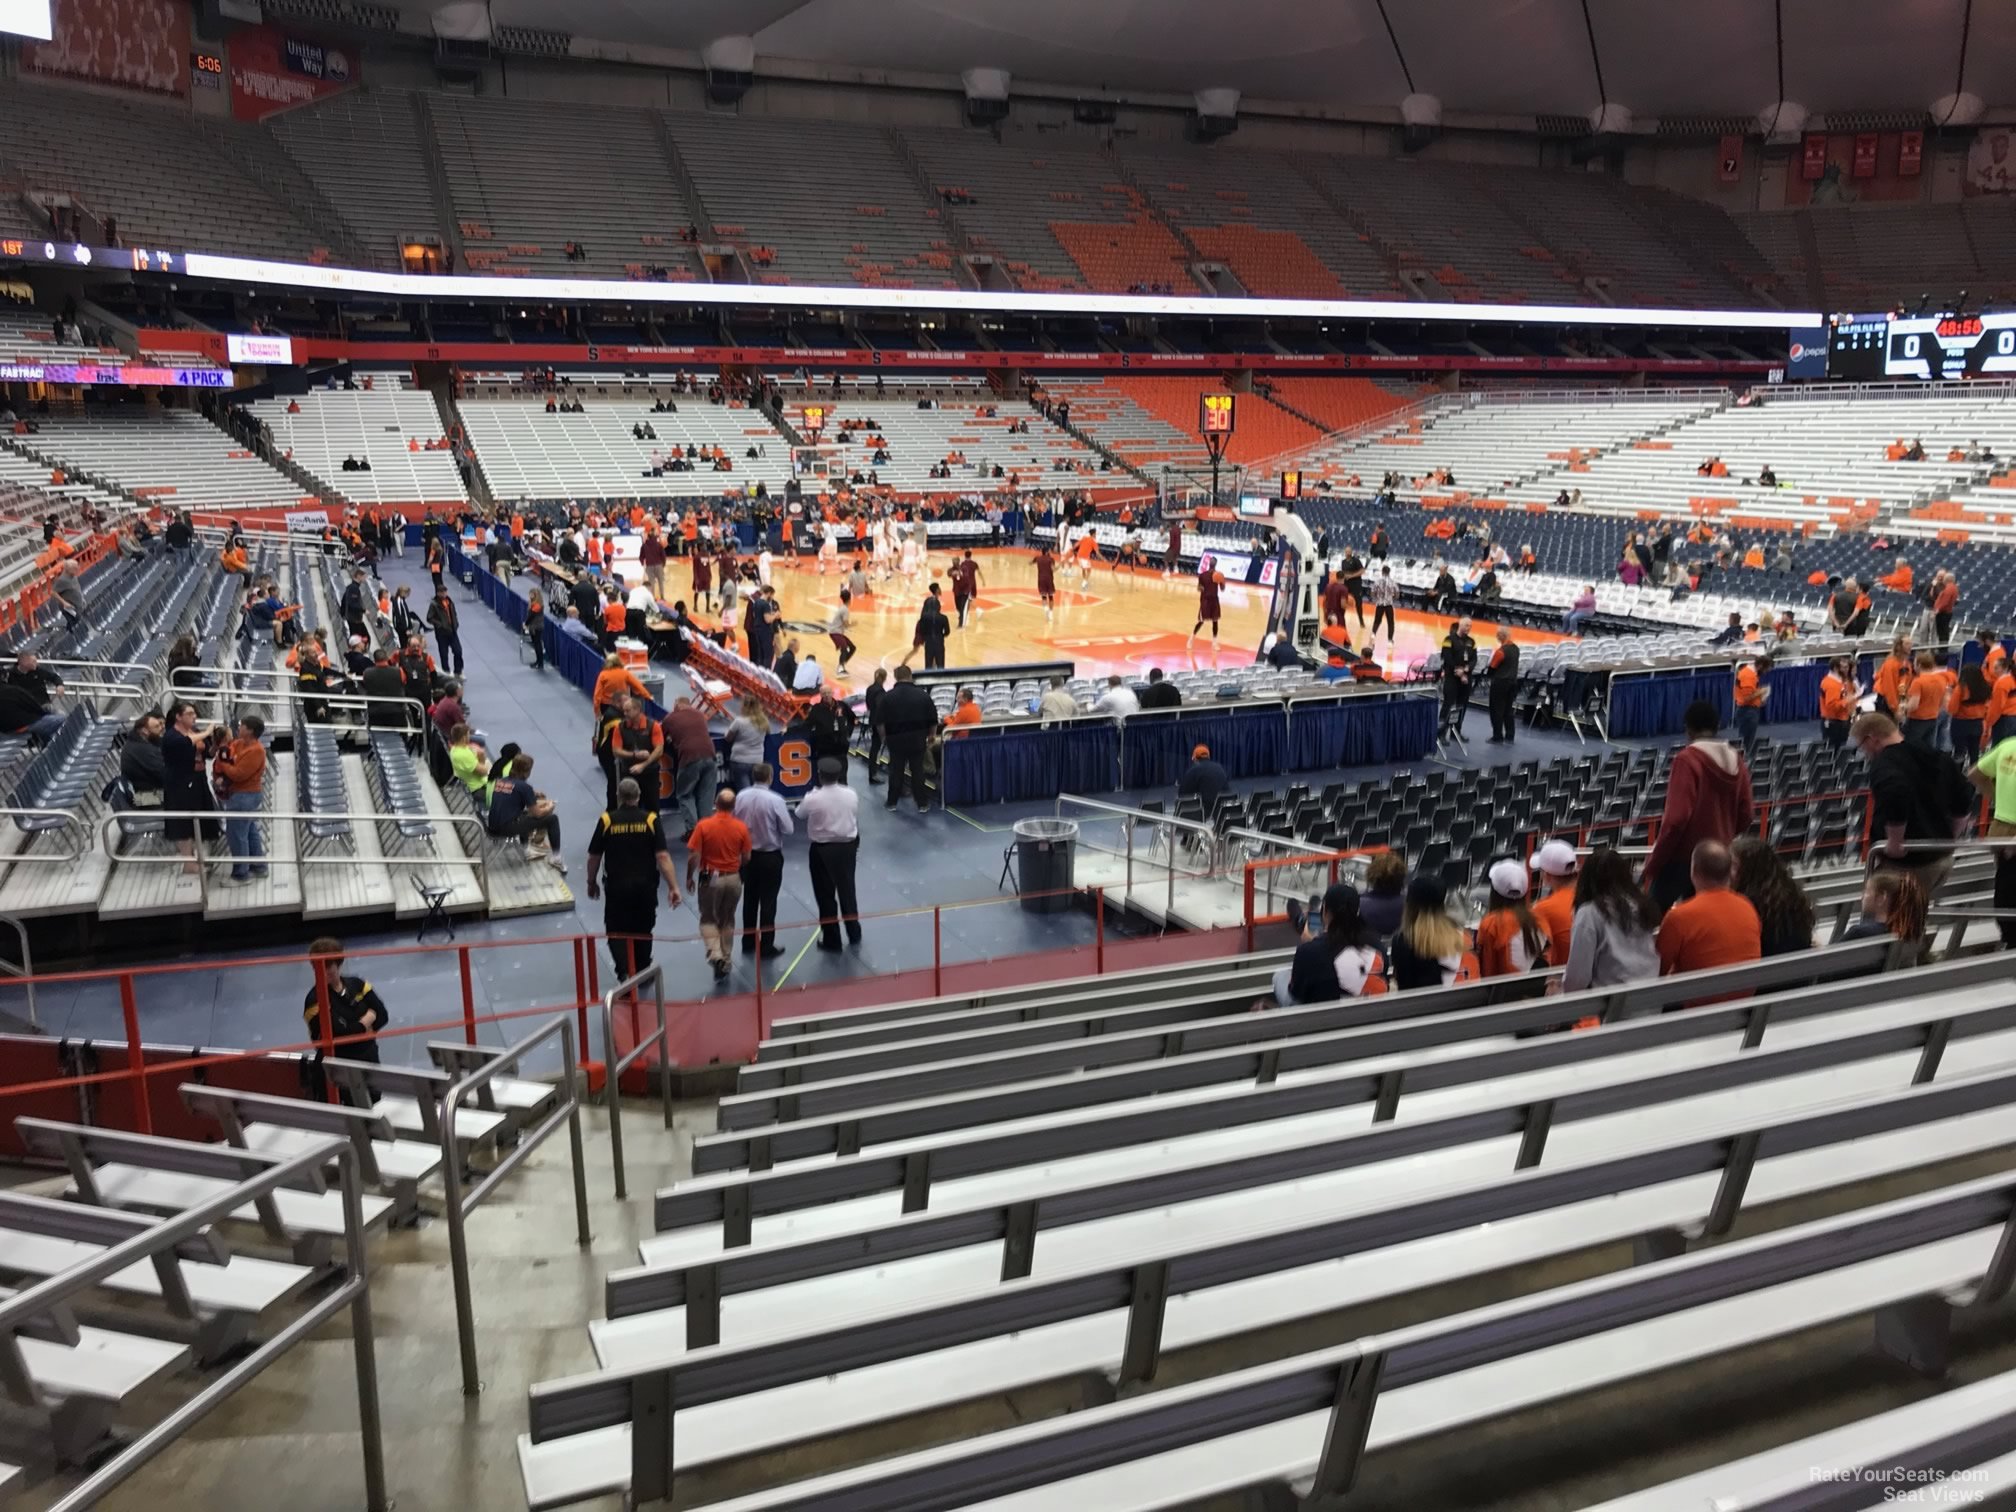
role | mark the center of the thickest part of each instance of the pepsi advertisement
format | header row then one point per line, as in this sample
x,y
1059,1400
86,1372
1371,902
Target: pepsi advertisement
x,y
1807,356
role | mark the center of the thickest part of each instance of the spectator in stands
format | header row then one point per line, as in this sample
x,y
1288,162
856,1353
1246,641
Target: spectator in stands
x,y
1428,950
448,711
1383,901
1118,700
744,741
1716,926
445,620
1204,779
38,681
573,628
1160,693
717,848
1554,867
806,676
690,748
1925,699
355,1010
1581,611
1510,940
1730,634
1057,702
470,763
140,763
1839,694
517,809
1612,940
1708,797
1751,694
180,533
1336,962
68,589
1916,795
1766,478
1967,707
240,774
909,720
1945,604
1443,593
1893,904
184,663
1784,915
183,744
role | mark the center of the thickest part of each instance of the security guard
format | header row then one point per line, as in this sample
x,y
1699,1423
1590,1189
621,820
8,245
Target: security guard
x,y
354,1008
634,847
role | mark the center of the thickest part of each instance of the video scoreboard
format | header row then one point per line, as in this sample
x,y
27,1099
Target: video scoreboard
x,y
1869,348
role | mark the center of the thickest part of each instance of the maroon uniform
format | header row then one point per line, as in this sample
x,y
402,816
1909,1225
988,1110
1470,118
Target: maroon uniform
x,y
1046,575
1207,595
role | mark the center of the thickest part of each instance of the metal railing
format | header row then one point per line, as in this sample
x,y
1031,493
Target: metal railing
x,y
1202,836
353,1292
459,1205
617,1065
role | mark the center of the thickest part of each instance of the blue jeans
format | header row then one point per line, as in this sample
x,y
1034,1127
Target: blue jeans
x,y
1748,718
693,790
243,836
46,727
1573,621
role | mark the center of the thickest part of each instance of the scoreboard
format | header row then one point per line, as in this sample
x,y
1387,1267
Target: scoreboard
x,y
1938,346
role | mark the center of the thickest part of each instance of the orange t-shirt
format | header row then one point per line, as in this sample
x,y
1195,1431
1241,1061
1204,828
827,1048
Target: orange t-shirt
x,y
1749,690
1717,928
1087,546
1929,692
611,683
1890,679
1501,945
721,841
614,615
1556,913
2002,701
1958,706
1837,698
964,714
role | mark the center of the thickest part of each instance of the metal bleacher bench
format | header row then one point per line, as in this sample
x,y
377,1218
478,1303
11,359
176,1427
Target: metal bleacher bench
x,y
849,1114
409,1099
1311,1421
1117,1309
214,1296
1965,1438
1070,1276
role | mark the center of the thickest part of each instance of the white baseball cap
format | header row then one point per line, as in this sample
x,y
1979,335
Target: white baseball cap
x,y
1556,858
1508,878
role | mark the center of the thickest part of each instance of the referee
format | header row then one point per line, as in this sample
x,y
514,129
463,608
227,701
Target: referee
x,y
630,840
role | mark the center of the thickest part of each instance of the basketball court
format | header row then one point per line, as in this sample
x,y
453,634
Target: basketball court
x,y
1121,622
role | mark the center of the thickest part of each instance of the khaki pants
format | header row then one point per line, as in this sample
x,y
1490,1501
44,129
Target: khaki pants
x,y
718,900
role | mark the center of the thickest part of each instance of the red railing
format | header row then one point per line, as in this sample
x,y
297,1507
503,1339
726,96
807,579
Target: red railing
x,y
139,1091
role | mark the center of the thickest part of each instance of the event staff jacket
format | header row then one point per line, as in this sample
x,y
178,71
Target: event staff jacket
x,y
350,998
629,842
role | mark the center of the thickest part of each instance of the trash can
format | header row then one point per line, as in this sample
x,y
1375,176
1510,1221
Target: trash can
x,y
1044,850
654,686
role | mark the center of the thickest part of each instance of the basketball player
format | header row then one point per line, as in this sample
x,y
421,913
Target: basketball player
x,y
1209,581
1046,582
829,546
765,562
878,546
1129,558
1172,554
965,576
1087,551
910,556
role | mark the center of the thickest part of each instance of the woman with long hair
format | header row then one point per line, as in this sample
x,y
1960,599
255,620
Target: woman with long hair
x,y
1333,962
1509,940
1428,951
1614,939
535,628
1969,707
745,736
1893,903
1781,905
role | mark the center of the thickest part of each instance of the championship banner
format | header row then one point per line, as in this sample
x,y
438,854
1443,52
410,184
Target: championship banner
x,y
272,72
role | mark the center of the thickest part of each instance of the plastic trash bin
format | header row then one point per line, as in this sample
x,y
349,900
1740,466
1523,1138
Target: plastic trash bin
x,y
1044,851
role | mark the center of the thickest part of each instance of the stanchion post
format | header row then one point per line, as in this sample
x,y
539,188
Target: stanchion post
x,y
581,997
468,995
136,1061
1099,930
937,956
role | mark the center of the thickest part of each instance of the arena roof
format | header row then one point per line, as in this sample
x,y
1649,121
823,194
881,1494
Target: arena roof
x,y
1516,57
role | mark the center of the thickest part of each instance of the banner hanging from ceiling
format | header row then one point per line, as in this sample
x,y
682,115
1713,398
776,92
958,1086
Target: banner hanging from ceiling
x,y
135,44
272,71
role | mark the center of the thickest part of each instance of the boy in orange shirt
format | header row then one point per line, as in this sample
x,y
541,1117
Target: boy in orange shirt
x,y
1556,862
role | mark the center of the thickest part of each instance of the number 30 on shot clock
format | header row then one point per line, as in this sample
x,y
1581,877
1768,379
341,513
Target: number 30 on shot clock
x,y
1215,417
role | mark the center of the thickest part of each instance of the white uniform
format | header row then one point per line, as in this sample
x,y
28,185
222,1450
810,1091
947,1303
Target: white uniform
x,y
878,544
829,544
909,556
763,564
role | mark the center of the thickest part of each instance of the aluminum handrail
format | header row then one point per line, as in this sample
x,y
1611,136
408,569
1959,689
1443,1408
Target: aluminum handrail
x,y
617,1065
354,1292
459,1205
1208,839
71,820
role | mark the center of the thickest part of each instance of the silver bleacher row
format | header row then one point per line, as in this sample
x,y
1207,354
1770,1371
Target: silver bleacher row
x,y
1033,1189
219,1257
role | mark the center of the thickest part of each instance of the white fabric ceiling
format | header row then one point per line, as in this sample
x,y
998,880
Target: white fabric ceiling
x,y
1521,57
